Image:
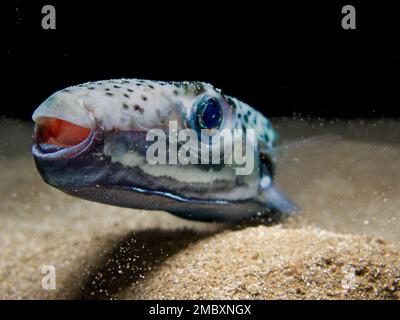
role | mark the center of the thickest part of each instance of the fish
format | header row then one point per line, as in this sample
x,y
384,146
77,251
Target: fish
x,y
92,141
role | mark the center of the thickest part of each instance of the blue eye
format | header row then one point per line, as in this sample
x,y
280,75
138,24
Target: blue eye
x,y
209,114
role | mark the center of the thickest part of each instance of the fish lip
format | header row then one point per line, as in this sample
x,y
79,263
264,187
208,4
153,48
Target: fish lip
x,y
66,152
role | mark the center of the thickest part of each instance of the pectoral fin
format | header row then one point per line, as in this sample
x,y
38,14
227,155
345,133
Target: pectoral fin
x,y
277,201
270,195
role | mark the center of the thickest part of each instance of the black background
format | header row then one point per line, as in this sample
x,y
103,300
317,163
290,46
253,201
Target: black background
x,y
280,58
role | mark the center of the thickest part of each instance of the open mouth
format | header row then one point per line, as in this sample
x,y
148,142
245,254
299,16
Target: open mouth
x,y
54,135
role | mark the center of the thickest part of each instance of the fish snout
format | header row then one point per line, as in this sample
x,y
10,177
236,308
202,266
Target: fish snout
x,y
65,136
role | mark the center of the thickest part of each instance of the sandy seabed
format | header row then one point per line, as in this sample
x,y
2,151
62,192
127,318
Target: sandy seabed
x,y
344,245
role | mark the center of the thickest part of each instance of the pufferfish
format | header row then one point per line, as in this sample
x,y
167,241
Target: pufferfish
x,y
90,142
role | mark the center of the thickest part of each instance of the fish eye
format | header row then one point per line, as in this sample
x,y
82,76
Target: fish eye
x,y
209,114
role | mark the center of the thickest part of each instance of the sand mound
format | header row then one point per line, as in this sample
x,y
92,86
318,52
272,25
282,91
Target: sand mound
x,y
276,263
253,263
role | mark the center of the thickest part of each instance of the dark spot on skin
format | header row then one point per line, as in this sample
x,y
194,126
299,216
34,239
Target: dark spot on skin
x,y
130,90
176,92
243,127
67,90
239,115
246,118
150,86
126,95
138,108
138,84
266,137
144,98
109,94
255,120
117,87
125,81
231,103
107,89
125,106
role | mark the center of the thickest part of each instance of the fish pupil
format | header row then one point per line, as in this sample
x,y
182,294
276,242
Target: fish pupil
x,y
210,114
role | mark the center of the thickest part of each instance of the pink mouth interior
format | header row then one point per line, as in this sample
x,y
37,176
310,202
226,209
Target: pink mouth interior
x,y
60,132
